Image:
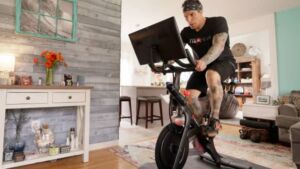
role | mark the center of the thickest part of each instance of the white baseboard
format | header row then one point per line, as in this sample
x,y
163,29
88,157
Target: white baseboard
x,y
103,145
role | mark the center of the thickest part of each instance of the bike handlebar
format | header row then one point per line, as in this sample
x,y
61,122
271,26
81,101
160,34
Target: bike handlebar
x,y
169,68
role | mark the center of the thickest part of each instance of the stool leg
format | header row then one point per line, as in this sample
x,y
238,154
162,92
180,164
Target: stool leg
x,y
120,110
151,112
130,111
146,114
137,112
161,114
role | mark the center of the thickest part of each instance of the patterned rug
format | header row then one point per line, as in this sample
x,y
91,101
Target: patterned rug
x,y
273,156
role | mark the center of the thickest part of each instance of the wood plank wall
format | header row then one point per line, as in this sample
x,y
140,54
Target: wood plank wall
x,y
96,56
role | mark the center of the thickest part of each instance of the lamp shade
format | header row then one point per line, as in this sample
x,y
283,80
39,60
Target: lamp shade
x,y
265,81
7,62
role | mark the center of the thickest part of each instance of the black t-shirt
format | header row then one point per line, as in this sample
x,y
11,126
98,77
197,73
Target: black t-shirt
x,y
201,41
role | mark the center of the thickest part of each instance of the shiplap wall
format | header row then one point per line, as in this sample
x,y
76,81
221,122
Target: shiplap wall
x,y
96,56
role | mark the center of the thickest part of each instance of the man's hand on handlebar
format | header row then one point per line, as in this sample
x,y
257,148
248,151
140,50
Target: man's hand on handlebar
x,y
200,65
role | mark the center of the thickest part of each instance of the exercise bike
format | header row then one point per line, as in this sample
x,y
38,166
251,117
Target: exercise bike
x,y
161,43
172,146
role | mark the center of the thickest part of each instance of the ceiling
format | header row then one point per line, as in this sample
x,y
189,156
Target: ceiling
x,y
137,14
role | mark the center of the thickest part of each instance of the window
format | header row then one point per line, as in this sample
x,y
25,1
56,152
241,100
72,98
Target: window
x,y
54,19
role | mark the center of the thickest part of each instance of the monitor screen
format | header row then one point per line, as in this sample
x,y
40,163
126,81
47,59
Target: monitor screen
x,y
158,42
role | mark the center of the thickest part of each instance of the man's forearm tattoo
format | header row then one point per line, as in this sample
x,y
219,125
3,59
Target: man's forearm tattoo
x,y
216,49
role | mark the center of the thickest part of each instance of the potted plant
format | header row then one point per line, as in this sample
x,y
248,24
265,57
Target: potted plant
x,y
50,60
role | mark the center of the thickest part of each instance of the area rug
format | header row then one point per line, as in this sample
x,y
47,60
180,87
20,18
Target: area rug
x,y
194,162
268,155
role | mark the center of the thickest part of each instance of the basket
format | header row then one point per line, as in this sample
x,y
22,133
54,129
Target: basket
x,y
64,149
254,134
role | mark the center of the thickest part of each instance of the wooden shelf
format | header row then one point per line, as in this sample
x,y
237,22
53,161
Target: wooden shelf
x,y
243,59
242,95
243,83
244,71
41,158
248,68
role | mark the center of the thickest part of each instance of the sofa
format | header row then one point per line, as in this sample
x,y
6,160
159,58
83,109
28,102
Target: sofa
x,y
295,143
288,115
288,122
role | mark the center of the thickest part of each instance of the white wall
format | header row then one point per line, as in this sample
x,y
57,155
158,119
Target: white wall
x,y
259,40
132,74
260,32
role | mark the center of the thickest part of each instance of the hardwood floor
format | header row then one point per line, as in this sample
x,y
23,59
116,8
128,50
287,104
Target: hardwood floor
x,y
99,159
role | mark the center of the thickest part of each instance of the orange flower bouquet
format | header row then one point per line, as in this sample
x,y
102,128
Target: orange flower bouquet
x,y
50,61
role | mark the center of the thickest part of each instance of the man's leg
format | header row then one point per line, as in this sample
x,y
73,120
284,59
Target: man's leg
x,y
194,104
193,94
215,93
192,101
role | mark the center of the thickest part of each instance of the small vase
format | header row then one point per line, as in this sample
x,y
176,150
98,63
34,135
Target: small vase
x,y
17,145
49,76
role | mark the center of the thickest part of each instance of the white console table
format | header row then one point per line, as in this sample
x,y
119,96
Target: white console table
x,y
259,111
23,97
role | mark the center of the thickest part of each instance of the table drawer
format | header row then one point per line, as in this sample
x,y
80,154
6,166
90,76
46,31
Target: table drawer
x,y
27,98
68,97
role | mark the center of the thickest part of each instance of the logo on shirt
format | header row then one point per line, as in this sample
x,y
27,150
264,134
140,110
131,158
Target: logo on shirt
x,y
199,40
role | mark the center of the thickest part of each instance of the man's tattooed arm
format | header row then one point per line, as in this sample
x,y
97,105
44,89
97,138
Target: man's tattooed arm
x,y
216,49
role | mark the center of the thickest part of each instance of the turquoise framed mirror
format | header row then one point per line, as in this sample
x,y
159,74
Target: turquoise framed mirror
x,y
54,19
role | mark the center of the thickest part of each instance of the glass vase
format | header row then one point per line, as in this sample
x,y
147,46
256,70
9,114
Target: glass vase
x,y
17,145
49,76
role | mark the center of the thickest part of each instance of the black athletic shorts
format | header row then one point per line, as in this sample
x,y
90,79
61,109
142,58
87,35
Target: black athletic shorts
x,y
197,81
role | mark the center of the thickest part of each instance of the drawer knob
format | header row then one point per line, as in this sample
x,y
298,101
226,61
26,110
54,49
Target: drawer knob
x,y
27,97
70,97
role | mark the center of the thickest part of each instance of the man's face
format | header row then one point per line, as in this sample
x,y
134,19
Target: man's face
x,y
194,18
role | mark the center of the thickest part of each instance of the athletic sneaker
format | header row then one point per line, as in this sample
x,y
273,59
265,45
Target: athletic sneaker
x,y
213,127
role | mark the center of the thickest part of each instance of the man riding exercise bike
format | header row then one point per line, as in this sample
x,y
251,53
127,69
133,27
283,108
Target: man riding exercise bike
x,y
162,43
208,37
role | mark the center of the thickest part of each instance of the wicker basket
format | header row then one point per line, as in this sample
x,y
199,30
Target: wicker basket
x,y
64,149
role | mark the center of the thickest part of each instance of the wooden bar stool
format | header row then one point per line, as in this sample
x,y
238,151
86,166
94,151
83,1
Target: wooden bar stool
x,y
149,100
125,99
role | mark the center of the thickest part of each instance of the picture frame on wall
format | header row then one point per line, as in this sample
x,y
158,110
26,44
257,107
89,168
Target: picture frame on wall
x,y
263,99
54,19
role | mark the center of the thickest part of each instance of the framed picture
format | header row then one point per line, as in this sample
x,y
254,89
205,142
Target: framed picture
x,y
54,19
26,80
8,155
263,99
68,80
